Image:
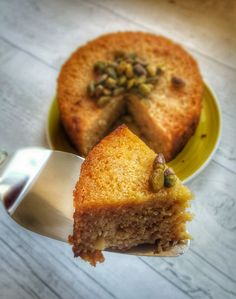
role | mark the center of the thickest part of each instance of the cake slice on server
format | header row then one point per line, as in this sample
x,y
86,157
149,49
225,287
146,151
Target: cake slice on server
x,y
127,196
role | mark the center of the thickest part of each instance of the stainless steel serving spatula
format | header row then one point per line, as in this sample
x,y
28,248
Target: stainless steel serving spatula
x,y
36,189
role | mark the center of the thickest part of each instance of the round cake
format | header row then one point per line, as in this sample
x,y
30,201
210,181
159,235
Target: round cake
x,y
147,77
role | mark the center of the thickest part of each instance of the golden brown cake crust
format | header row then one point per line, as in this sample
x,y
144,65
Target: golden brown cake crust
x,y
113,194
172,114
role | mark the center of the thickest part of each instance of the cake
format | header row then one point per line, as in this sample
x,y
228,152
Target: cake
x,y
127,196
165,118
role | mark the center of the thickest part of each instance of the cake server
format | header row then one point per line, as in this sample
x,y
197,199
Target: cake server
x,y
36,189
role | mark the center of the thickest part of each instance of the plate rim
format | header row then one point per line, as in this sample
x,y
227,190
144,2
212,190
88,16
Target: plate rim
x,y
218,139
199,170
48,139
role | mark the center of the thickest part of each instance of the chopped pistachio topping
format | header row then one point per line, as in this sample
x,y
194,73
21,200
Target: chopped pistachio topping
x,y
101,79
107,92
119,90
102,101
91,89
99,91
177,82
126,74
157,179
110,83
159,162
140,70
169,171
130,83
145,89
111,72
122,81
129,70
151,70
169,178
161,176
99,66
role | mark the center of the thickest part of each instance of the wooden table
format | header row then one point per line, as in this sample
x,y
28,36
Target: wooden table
x,y
35,39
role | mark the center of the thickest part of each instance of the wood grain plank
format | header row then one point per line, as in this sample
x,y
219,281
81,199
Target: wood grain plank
x,y
180,21
27,87
52,261
51,23
200,285
211,34
214,226
48,278
11,286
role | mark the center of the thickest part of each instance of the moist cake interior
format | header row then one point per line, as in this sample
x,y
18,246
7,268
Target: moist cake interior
x,y
114,205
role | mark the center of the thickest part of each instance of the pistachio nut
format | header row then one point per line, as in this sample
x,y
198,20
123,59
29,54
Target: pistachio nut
x,y
113,64
103,101
145,89
130,83
119,90
99,91
159,162
139,70
121,67
169,171
110,83
107,92
100,79
156,179
111,72
91,89
129,70
122,81
141,79
177,82
100,66
151,69
169,178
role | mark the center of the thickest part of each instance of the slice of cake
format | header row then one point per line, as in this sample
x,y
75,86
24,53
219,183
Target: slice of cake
x,y
147,76
126,196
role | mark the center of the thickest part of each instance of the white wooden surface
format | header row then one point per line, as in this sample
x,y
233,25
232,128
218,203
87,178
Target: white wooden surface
x,y
35,38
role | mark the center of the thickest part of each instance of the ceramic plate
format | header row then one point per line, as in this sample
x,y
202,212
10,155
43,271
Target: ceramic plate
x,y
190,161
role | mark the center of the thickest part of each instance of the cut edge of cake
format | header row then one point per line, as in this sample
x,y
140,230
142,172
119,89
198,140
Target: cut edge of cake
x,y
156,218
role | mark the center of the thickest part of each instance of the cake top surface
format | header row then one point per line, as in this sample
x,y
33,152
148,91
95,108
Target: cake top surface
x,y
117,171
174,108
161,51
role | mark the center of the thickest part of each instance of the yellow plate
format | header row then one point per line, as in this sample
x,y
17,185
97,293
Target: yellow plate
x,y
190,161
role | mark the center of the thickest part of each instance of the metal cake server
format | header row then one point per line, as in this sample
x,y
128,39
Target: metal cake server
x,y
36,189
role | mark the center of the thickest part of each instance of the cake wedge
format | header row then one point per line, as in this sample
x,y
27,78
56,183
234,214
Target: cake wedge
x,y
127,196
